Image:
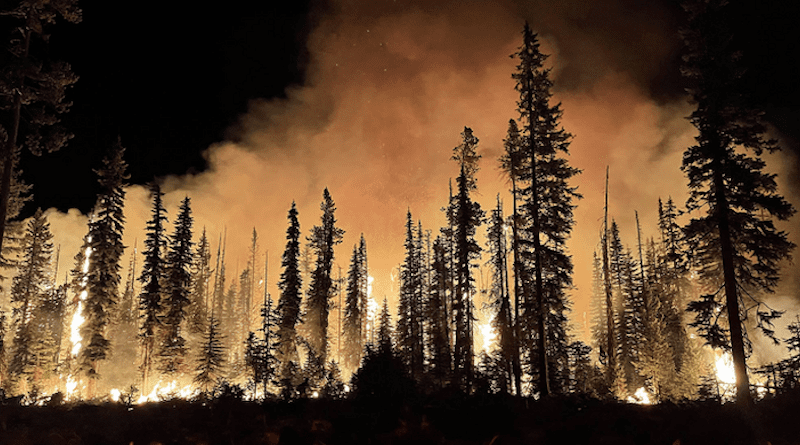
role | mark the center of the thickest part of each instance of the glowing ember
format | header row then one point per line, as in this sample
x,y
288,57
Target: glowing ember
x,y
640,397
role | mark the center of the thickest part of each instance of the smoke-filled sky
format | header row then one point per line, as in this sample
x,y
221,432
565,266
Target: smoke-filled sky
x,y
248,109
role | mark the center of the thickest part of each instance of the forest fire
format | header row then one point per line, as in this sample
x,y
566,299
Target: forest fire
x,y
78,318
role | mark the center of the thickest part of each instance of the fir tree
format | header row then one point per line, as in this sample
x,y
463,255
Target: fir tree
x,y
385,331
410,310
32,89
323,238
289,302
436,315
106,248
548,213
211,358
176,292
736,243
27,295
153,283
467,216
355,307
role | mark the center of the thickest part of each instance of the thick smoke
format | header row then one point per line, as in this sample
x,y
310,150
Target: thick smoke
x,y
390,87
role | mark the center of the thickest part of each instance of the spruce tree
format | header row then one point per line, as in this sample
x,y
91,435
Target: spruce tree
x,y
548,212
410,309
467,216
211,357
28,293
735,242
32,89
151,304
385,331
323,238
106,248
172,348
355,308
436,314
288,309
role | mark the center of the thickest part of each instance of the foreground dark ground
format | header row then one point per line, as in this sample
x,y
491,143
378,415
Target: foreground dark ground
x,y
451,419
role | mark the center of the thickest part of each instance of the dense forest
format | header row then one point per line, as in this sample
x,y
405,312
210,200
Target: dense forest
x,y
672,316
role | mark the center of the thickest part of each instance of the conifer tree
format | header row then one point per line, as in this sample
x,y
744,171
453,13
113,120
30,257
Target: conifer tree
x,y
172,348
409,333
27,295
355,308
548,212
211,357
436,314
151,304
289,302
201,282
20,194
105,243
32,89
385,331
735,242
467,216
323,238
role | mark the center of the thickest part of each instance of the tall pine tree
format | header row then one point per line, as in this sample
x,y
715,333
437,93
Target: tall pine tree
x,y
172,348
291,285
153,276
323,238
548,213
735,242
105,243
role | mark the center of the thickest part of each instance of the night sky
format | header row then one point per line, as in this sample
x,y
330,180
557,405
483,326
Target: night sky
x,y
245,108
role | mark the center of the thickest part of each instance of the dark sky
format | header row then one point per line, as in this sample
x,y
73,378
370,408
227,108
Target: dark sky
x,y
170,79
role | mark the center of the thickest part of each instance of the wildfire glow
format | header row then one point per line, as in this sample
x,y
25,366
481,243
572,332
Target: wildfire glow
x,y
169,390
640,397
71,385
488,334
115,394
77,317
724,369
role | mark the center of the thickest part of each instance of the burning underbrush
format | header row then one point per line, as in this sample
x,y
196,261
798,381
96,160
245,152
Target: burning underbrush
x,y
224,416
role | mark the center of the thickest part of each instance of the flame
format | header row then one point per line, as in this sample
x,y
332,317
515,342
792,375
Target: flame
x,y
78,318
724,369
170,390
488,335
115,395
640,397
71,385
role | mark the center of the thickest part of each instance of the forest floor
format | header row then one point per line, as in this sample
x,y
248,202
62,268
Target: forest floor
x,y
444,420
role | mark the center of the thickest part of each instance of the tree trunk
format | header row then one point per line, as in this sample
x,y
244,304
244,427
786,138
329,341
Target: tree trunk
x,y
743,397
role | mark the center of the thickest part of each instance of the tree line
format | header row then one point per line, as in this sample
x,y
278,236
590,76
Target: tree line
x,y
187,322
